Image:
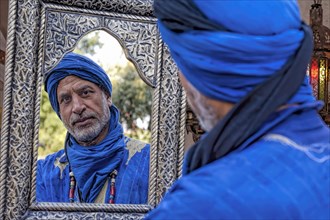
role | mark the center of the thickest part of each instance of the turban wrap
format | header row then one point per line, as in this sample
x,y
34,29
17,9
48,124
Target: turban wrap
x,y
91,165
76,65
248,41
252,53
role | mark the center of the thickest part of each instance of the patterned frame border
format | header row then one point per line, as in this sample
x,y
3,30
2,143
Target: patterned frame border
x,y
32,50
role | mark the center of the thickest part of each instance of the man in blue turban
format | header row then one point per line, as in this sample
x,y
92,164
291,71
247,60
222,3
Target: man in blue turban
x,y
266,153
98,164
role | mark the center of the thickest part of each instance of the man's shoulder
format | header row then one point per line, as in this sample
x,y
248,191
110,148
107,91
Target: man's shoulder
x,y
53,156
136,149
57,159
213,193
254,182
135,144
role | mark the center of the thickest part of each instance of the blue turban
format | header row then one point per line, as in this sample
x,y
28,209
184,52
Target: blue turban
x,y
255,40
251,53
76,65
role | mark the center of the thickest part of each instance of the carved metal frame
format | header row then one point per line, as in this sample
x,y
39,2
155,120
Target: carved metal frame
x,y
39,34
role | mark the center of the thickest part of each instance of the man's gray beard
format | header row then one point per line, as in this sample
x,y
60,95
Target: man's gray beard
x,y
206,125
88,134
204,115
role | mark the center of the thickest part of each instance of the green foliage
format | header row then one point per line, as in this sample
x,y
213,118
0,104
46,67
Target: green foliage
x,y
51,131
139,134
133,98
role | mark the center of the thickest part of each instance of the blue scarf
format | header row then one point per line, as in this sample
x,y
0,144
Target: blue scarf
x,y
92,165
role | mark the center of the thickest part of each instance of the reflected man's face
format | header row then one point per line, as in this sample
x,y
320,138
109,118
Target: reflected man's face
x,y
84,109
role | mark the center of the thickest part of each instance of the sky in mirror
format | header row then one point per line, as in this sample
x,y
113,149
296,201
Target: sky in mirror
x,y
130,94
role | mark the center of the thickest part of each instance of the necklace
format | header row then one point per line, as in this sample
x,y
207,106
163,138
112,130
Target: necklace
x,y
72,187
111,178
113,175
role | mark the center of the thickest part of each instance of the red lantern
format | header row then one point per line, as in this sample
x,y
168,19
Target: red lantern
x,y
319,66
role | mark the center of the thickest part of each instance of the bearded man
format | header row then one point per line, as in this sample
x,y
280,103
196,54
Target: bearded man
x,y
266,153
98,163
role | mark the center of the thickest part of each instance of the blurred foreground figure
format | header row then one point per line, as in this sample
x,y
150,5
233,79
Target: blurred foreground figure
x,y
266,151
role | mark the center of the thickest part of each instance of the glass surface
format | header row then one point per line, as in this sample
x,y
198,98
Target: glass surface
x,y
130,95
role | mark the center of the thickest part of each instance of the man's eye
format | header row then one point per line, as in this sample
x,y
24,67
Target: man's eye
x,y
65,99
86,92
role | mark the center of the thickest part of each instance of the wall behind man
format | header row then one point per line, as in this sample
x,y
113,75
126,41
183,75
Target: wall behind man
x,y
305,6
3,36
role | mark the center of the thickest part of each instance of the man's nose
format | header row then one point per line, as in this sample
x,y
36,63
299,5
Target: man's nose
x,y
78,105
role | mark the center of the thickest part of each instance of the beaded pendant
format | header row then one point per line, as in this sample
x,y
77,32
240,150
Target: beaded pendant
x,y
112,179
112,175
72,187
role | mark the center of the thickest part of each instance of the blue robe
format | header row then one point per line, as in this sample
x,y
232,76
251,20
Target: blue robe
x,y
283,175
53,180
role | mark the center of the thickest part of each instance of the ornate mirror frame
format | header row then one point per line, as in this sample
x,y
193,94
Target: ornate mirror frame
x,y
39,34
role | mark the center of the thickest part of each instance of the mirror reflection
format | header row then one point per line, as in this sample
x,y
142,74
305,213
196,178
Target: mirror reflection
x,y
94,127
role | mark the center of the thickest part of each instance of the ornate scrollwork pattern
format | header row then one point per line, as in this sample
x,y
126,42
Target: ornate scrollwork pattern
x,y
81,215
169,119
63,30
21,107
139,39
5,126
134,7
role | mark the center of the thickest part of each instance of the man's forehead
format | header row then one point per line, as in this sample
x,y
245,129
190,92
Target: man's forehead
x,y
74,80
72,83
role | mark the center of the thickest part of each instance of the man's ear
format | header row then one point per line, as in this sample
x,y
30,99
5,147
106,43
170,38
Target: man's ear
x,y
109,100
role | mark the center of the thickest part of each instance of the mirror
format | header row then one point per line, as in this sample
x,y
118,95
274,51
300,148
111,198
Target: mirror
x,y
36,43
104,49
133,98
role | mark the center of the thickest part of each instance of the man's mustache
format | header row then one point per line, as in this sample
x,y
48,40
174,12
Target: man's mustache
x,y
80,118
